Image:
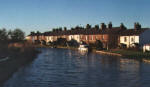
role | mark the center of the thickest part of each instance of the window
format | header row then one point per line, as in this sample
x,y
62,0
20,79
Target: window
x,y
96,37
132,39
86,38
125,39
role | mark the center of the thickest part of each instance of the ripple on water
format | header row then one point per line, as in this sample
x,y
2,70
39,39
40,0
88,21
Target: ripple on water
x,y
67,68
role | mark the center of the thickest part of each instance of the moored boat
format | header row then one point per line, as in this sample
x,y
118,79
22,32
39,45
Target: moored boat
x,y
84,48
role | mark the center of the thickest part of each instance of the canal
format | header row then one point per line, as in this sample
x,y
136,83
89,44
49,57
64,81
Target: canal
x,y
68,68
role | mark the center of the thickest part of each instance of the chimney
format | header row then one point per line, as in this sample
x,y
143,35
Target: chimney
x,y
65,28
110,25
32,33
96,27
137,26
88,26
103,26
122,26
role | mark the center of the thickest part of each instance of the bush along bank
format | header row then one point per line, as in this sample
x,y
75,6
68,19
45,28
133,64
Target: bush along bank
x,y
13,56
72,44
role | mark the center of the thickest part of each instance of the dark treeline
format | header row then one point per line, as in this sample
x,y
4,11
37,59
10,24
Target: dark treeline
x,y
7,39
12,43
11,35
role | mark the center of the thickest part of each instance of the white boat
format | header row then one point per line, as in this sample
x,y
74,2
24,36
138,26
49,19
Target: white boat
x,y
84,48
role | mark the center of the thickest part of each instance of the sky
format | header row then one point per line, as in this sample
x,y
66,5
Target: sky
x,y
43,15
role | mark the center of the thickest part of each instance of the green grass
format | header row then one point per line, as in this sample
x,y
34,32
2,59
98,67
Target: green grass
x,y
131,53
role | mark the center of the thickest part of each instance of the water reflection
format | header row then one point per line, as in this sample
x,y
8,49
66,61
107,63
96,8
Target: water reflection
x,y
67,68
83,53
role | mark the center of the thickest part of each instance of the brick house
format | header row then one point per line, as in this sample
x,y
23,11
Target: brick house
x,y
108,36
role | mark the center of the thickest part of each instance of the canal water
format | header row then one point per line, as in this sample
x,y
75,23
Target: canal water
x,y
68,68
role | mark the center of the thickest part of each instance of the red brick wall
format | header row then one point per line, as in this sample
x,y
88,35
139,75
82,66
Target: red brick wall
x,y
92,38
42,37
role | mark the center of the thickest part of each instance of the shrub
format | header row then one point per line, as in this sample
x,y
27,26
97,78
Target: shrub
x,y
73,43
122,46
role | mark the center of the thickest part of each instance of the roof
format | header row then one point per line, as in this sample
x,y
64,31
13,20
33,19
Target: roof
x,y
93,31
113,30
129,32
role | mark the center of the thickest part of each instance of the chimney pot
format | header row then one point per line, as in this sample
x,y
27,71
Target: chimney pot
x,y
110,25
103,26
137,26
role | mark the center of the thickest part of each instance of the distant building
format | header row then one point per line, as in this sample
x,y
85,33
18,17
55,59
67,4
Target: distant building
x,y
49,38
108,36
75,37
111,37
138,35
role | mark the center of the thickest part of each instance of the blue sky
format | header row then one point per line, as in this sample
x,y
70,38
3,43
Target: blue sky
x,y
42,15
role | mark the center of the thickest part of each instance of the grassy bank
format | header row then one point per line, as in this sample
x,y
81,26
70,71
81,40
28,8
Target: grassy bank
x,y
17,55
130,53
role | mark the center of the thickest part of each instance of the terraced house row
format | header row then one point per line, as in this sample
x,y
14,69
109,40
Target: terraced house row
x,y
110,36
